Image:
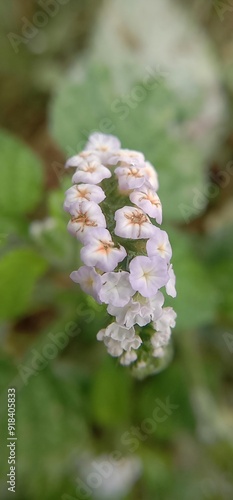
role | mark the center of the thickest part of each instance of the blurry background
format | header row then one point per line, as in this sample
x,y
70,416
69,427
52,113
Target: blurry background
x,y
159,75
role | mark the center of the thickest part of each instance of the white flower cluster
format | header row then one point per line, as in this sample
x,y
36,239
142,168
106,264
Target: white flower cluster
x,y
126,256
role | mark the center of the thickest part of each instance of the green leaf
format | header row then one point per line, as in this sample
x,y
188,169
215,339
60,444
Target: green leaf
x,y
19,271
154,125
197,297
110,394
50,429
21,177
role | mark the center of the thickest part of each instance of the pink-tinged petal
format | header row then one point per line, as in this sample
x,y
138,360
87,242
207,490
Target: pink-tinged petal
x,y
148,275
130,177
152,175
80,159
116,288
132,222
86,216
102,142
147,199
100,251
91,171
83,192
89,280
159,245
171,284
103,145
126,157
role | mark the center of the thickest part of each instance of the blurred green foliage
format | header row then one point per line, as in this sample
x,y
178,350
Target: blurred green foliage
x,y
74,403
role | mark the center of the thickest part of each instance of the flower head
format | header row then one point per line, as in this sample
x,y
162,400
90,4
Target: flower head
x,y
128,278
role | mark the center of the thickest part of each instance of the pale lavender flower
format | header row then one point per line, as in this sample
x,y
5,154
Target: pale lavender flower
x,y
89,280
166,321
140,311
116,289
159,245
148,275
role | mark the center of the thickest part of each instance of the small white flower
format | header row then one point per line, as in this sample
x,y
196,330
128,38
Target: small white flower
x,y
160,339
166,321
91,172
86,216
158,353
159,245
131,343
130,177
139,311
83,192
77,160
127,157
116,288
118,332
100,251
103,145
132,222
128,357
148,275
113,346
147,199
171,284
117,338
89,280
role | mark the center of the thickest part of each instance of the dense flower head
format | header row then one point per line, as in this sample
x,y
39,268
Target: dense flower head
x,y
114,212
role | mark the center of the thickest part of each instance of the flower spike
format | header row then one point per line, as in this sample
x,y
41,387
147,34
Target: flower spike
x,y
115,209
